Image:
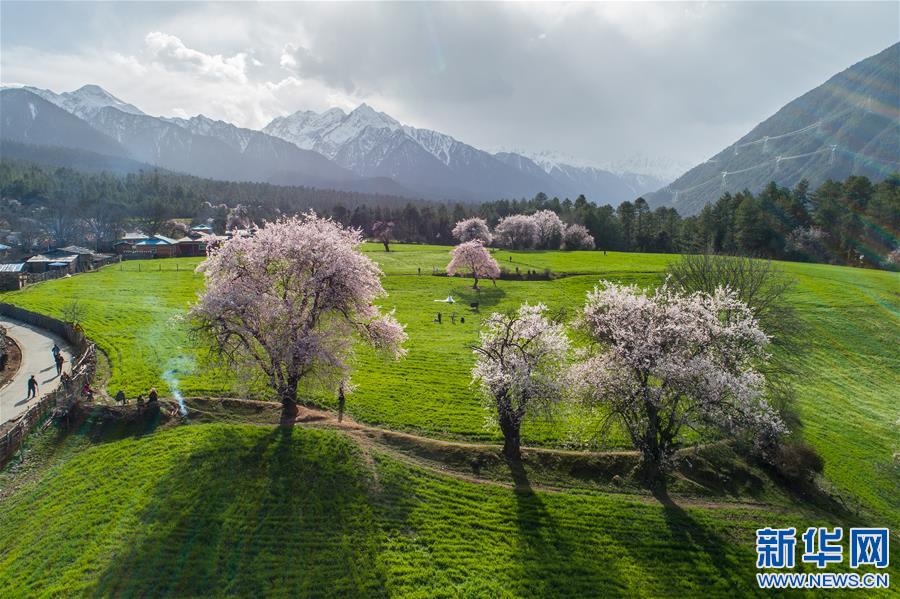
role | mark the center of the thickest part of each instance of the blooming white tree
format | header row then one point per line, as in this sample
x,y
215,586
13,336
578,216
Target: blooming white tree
x,y
577,237
472,257
669,362
291,300
471,229
549,229
517,232
517,368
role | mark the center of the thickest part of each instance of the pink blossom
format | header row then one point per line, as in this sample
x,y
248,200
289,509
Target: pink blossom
x,y
577,237
667,361
471,229
549,229
472,257
518,232
291,299
517,367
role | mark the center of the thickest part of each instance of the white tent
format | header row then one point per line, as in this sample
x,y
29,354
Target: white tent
x,y
449,300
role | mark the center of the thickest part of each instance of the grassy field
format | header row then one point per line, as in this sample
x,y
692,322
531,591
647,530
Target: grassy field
x,y
847,391
241,510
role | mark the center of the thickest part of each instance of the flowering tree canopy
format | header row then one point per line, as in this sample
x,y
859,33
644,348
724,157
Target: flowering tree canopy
x,y
383,232
291,299
671,361
577,237
518,232
471,229
549,229
472,257
517,366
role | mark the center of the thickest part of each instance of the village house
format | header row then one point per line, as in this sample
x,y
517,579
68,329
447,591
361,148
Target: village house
x,y
11,275
157,246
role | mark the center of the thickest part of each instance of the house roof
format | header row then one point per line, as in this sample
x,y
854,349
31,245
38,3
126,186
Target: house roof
x,y
53,256
17,267
157,240
74,249
201,228
134,236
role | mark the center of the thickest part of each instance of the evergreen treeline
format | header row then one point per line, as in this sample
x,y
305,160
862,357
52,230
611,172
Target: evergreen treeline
x,y
851,222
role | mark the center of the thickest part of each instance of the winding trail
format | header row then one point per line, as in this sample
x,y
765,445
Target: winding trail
x,y
37,359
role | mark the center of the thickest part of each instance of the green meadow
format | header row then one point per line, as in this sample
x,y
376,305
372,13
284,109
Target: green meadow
x,y
847,388
244,510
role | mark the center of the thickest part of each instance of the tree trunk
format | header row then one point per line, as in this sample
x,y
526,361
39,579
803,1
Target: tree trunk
x,y
511,437
387,247
475,285
289,409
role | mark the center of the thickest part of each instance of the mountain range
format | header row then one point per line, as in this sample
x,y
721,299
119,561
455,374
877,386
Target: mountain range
x,y
361,150
849,125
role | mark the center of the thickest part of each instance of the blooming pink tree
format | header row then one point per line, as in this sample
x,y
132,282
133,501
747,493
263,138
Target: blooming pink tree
x,y
577,237
291,299
517,232
669,362
549,229
472,257
471,229
517,366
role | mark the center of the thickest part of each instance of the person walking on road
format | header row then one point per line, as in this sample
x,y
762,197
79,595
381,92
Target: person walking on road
x,y
32,387
55,349
59,363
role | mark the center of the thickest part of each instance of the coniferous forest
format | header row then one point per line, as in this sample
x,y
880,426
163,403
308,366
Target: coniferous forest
x,y
851,222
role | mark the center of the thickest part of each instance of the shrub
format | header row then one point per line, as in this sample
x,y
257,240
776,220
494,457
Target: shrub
x,y
798,462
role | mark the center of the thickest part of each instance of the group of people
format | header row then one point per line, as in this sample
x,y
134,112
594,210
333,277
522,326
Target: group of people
x,y
64,377
152,397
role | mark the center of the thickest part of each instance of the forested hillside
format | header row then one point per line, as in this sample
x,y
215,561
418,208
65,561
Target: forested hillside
x,y
854,222
850,125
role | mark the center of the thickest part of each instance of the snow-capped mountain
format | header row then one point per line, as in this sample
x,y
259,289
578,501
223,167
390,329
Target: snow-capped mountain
x,y
372,143
659,167
361,149
596,183
85,101
94,120
28,118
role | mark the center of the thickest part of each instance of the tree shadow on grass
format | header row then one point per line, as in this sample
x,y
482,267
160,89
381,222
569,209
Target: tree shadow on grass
x,y
692,537
550,556
283,512
487,295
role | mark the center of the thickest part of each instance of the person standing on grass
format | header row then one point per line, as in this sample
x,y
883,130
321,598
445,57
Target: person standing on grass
x,y
341,403
32,387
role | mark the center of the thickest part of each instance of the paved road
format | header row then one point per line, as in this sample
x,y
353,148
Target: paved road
x,y
37,359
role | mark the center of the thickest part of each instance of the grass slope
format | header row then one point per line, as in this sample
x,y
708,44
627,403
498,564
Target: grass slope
x,y
239,510
846,392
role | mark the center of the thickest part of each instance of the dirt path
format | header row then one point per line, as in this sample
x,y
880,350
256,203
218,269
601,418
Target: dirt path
x,y
370,439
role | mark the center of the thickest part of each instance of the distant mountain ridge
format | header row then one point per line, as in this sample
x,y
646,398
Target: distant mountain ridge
x,y
363,150
849,125
96,122
369,142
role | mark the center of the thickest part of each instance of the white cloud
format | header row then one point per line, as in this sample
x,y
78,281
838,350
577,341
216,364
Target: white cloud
x,y
170,52
597,81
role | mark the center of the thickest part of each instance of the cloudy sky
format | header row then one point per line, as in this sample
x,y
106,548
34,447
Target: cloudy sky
x,y
599,82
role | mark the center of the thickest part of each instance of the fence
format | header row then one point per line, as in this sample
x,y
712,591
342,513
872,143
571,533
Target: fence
x,y
13,433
